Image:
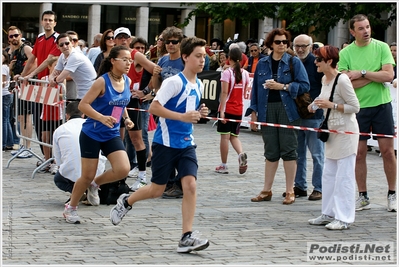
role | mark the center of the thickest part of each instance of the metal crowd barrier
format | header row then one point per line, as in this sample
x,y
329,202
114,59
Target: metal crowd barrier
x,y
43,101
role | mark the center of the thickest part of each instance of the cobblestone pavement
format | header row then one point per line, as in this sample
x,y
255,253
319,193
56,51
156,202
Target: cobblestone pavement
x,y
240,232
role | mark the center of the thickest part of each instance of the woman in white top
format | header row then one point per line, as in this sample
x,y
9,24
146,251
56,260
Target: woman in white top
x,y
8,141
338,181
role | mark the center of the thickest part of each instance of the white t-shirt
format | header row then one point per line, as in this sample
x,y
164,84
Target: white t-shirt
x,y
5,70
82,71
66,150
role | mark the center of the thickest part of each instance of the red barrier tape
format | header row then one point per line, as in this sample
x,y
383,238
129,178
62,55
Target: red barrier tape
x,y
290,126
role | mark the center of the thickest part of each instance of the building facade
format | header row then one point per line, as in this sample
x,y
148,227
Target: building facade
x,y
148,20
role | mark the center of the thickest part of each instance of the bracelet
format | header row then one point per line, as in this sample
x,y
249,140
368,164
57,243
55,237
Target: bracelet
x,y
335,106
153,93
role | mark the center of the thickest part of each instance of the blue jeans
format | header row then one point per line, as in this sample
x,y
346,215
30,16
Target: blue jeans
x,y
63,183
316,147
8,138
145,116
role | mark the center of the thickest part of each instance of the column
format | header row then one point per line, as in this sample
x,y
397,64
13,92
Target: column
x,y
218,31
94,19
142,22
391,33
43,7
265,26
189,30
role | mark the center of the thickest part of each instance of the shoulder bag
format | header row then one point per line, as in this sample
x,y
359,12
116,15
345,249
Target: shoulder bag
x,y
302,101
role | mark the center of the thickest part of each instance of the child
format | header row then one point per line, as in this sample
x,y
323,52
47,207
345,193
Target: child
x,y
176,104
234,83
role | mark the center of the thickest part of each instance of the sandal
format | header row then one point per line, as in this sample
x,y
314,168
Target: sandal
x,y
263,196
289,198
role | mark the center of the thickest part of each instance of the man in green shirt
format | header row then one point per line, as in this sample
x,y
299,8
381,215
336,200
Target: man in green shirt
x,y
369,64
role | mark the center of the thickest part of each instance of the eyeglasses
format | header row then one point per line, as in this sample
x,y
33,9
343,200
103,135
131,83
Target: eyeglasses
x,y
109,37
301,46
254,50
126,60
122,36
160,39
172,41
139,47
277,42
13,35
75,40
319,59
65,43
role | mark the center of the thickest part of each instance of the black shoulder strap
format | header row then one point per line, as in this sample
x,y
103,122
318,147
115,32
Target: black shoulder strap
x,y
332,95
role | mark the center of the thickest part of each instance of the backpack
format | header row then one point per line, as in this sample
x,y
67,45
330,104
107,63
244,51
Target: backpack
x,y
110,192
21,58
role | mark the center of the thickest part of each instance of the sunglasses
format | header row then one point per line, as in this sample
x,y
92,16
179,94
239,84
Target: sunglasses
x,y
109,38
62,44
319,59
13,35
301,46
122,36
139,47
172,41
74,40
160,39
277,42
254,50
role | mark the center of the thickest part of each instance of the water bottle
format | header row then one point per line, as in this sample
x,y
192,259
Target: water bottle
x,y
314,106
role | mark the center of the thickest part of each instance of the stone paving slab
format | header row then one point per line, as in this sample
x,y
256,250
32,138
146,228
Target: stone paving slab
x,y
240,232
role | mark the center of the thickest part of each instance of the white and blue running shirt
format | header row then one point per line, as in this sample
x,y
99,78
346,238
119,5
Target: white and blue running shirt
x,y
173,96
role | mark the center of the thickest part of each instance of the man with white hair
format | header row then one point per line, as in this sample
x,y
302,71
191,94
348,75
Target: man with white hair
x,y
308,139
95,49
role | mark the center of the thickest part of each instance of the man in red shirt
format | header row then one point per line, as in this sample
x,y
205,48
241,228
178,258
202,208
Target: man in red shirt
x,y
44,50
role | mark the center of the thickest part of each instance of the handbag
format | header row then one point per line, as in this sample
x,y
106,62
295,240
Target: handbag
x,y
323,136
302,101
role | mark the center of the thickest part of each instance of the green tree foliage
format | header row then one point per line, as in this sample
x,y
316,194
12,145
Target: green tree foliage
x,y
300,17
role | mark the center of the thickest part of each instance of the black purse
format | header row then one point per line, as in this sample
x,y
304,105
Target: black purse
x,y
323,136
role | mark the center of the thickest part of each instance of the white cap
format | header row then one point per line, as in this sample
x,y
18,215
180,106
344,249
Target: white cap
x,y
122,30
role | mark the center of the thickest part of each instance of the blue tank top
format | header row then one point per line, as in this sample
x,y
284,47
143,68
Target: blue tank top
x,y
173,133
112,102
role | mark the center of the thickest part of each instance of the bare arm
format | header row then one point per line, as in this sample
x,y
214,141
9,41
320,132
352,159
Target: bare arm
x,y
190,117
223,98
381,76
39,69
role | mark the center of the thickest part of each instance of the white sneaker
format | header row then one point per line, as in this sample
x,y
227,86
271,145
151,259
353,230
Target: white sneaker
x,y
362,203
119,211
337,225
92,195
192,243
71,215
134,172
140,182
26,154
321,220
53,168
21,147
392,204
222,169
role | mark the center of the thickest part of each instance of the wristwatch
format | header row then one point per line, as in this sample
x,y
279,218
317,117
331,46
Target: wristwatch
x,y
285,87
363,72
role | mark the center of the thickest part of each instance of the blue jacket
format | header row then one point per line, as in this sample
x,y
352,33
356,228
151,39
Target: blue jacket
x,y
298,85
